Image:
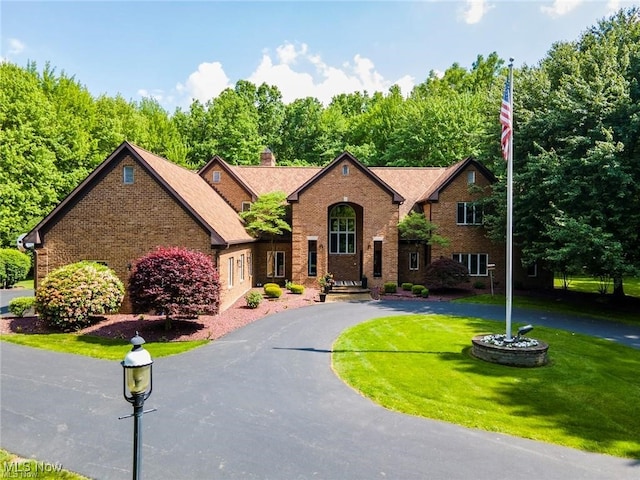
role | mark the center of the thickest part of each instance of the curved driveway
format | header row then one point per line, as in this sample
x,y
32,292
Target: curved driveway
x,y
264,403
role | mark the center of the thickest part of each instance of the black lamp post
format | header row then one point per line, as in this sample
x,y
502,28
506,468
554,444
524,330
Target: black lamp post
x,y
136,379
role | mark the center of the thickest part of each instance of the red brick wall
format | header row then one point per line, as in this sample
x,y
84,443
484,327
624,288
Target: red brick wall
x,y
465,238
117,223
232,191
379,219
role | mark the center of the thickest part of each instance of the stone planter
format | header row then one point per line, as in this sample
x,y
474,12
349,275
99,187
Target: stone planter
x,y
535,356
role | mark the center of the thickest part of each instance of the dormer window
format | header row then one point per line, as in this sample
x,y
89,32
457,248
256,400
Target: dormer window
x,y
216,176
127,175
345,170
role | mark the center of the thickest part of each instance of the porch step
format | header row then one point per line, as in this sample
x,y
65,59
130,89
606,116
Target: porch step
x,y
348,290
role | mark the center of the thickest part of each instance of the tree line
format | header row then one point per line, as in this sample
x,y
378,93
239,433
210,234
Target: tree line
x,y
576,139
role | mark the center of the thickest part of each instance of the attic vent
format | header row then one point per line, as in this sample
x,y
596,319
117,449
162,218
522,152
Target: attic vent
x,y
216,176
345,169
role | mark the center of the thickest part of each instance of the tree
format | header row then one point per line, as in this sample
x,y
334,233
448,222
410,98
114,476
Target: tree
x,y
266,217
577,182
14,266
415,227
176,282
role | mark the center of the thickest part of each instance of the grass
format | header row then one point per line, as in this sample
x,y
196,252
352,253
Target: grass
x,y
588,397
28,284
592,285
16,467
97,347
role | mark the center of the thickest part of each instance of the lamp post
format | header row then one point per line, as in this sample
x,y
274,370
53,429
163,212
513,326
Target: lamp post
x,y
137,380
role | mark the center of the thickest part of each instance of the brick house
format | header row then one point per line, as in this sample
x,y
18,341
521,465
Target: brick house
x,y
344,219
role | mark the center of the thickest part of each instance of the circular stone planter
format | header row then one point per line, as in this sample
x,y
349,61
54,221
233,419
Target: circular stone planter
x,y
534,356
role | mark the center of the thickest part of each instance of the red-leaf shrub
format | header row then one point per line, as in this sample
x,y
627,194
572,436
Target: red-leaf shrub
x,y
70,297
445,273
176,282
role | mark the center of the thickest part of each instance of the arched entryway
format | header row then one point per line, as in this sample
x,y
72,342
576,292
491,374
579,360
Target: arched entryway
x,y
345,241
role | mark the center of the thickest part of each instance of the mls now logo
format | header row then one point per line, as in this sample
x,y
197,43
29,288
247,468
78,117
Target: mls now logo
x,y
29,469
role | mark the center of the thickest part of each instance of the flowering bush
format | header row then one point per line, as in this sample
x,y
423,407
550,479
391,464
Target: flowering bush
x,y
518,342
72,296
176,282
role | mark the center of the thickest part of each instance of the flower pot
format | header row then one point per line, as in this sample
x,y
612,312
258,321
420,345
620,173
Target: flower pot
x,y
323,296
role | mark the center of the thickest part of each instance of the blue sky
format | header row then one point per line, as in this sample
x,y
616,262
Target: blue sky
x,y
178,51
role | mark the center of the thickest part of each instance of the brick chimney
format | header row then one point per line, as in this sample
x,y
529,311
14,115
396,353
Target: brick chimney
x,y
267,158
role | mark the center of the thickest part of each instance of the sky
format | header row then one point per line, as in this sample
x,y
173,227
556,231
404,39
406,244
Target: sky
x,y
178,51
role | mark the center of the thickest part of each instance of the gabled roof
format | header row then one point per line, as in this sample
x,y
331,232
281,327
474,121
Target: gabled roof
x,y
411,182
449,174
187,188
397,198
232,172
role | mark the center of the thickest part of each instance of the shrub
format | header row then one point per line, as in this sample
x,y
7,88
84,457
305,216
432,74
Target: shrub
x,y
18,306
446,273
407,286
390,287
14,266
479,284
417,289
297,289
273,291
269,285
253,299
176,282
425,293
71,296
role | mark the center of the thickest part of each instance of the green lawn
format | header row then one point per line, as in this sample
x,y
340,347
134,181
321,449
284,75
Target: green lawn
x,y
16,467
588,397
97,347
592,285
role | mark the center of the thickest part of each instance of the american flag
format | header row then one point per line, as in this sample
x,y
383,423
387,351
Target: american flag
x,y
505,120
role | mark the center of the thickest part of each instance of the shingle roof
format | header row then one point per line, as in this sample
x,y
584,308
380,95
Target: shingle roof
x,y
270,179
187,187
197,196
410,182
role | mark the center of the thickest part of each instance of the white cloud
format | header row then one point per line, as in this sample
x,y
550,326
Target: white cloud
x,y
312,77
560,7
474,10
15,47
296,71
205,83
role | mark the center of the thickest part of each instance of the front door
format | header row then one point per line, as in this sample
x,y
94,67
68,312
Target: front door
x,y
345,238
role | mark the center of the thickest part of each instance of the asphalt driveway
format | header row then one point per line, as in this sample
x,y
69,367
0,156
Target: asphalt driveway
x,y
264,403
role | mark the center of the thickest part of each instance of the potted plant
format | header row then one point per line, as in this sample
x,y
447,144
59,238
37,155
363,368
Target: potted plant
x,y
326,282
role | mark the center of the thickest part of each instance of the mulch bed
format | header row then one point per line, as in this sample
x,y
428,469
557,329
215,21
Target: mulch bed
x,y
209,327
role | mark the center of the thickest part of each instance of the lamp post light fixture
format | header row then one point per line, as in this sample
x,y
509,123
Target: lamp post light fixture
x,y
137,381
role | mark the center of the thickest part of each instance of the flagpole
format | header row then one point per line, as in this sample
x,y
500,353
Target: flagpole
x,y
509,286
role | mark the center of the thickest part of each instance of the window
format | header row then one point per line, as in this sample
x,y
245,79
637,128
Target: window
x,y
476,263
246,206
471,177
345,170
414,258
231,267
127,175
241,267
469,213
312,258
275,264
377,258
342,235
216,176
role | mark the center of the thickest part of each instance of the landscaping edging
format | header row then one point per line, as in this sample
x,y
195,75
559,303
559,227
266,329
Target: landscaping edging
x,y
535,356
